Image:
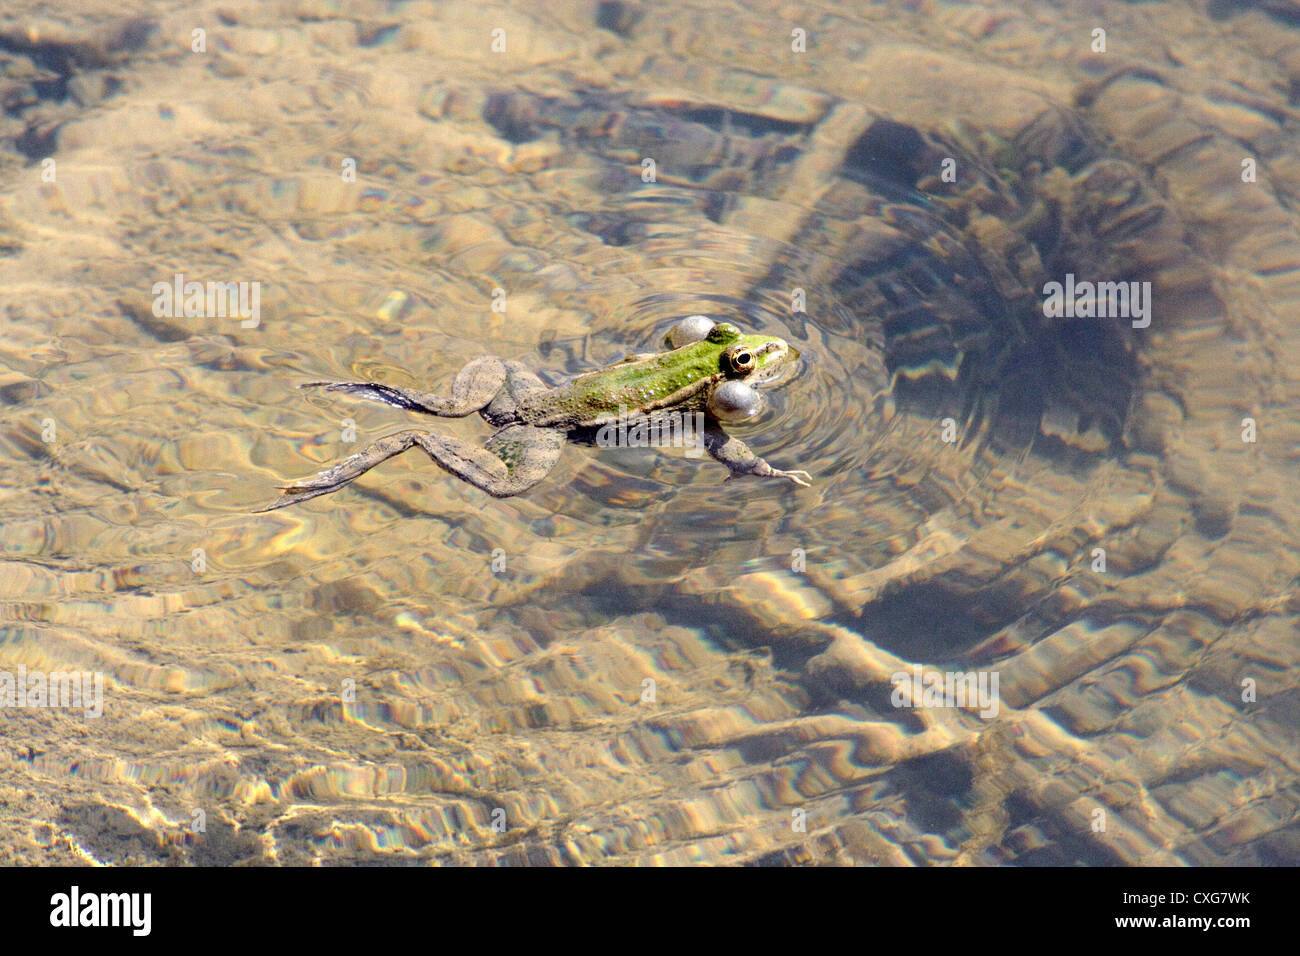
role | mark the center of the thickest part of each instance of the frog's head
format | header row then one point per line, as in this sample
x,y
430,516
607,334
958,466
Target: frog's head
x,y
745,361
752,359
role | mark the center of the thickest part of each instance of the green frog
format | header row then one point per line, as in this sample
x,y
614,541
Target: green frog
x,y
707,371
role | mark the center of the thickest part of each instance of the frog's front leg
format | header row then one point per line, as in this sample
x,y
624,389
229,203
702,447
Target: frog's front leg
x,y
475,385
735,454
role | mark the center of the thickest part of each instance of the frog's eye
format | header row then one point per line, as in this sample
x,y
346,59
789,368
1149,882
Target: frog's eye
x,y
740,360
723,332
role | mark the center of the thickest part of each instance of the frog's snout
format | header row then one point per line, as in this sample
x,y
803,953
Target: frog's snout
x,y
794,352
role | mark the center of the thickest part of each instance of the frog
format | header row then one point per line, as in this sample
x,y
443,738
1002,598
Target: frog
x,y
705,368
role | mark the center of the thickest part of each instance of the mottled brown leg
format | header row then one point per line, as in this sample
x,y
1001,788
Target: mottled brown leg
x,y
344,472
513,460
474,387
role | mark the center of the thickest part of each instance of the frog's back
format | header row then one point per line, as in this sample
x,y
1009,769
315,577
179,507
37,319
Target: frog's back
x,y
646,384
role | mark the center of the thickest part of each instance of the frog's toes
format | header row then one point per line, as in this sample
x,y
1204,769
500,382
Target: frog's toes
x,y
798,477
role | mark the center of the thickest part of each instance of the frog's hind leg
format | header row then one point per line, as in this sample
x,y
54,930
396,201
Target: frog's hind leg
x,y
345,472
512,461
520,382
475,385
509,463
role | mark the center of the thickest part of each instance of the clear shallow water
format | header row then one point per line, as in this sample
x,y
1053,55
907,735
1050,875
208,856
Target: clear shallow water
x,y
351,680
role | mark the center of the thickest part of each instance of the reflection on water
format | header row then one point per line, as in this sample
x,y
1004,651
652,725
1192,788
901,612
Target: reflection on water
x,y
636,662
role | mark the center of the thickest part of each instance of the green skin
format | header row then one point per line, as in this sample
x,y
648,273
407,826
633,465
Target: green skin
x,y
534,421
